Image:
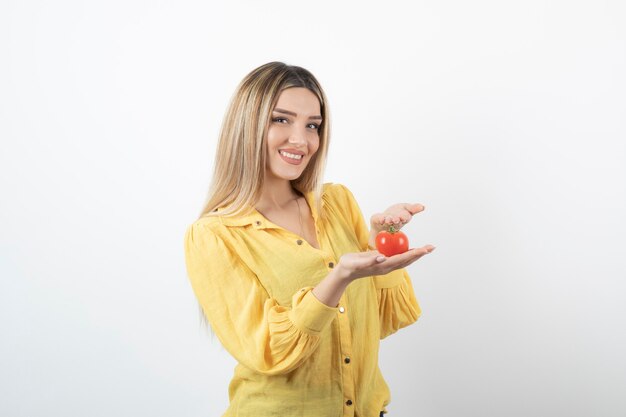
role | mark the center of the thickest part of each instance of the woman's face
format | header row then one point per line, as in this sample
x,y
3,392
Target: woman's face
x,y
293,133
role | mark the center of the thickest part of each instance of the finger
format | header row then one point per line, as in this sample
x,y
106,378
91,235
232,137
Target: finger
x,y
384,219
388,220
373,257
371,254
408,210
419,255
393,263
413,254
424,250
414,208
378,218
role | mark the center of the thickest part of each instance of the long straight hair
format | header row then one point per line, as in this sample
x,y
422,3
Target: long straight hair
x,y
239,168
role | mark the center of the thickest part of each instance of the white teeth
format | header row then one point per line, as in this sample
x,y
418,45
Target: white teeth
x,y
290,155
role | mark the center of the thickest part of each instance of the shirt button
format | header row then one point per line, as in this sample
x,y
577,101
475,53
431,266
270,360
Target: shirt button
x,y
347,360
341,309
258,223
331,265
299,242
349,402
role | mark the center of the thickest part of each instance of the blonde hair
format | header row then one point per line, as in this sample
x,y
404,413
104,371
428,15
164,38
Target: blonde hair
x,y
240,160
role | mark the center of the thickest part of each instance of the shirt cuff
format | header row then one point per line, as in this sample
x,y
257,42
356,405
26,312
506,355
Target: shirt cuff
x,y
309,314
390,280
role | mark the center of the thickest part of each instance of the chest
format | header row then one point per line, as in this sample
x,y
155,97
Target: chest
x,y
300,224
284,262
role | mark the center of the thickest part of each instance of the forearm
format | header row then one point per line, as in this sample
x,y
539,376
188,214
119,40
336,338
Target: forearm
x,y
331,288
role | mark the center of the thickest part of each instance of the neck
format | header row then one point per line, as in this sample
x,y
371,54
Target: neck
x,y
276,195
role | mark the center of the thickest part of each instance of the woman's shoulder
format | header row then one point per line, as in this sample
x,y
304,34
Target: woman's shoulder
x,y
333,189
218,219
211,234
337,193
211,222
206,229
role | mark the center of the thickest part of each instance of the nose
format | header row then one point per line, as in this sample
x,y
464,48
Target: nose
x,y
297,136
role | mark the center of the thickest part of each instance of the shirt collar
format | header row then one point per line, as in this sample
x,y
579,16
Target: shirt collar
x,y
258,221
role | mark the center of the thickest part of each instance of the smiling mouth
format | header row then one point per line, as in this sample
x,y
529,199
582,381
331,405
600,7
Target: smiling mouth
x,y
291,155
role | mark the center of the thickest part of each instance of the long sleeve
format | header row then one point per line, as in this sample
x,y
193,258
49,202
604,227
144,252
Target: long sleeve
x,y
397,305
261,334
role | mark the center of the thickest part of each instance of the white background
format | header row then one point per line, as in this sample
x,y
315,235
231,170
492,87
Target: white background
x,y
505,119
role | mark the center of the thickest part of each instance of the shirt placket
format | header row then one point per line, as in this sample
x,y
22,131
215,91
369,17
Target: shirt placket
x,y
345,338
345,344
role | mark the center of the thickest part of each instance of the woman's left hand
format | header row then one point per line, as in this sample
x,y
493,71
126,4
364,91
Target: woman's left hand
x,y
397,216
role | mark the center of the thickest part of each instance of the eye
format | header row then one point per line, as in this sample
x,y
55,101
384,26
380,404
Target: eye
x,y
315,126
277,119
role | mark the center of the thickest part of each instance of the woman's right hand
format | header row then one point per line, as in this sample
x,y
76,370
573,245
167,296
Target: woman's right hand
x,y
353,266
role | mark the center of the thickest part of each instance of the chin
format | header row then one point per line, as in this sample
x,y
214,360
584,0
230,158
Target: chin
x,y
289,175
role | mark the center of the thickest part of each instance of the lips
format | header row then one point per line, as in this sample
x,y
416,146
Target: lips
x,y
289,157
292,151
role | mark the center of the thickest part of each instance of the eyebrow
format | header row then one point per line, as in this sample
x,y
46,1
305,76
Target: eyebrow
x,y
294,114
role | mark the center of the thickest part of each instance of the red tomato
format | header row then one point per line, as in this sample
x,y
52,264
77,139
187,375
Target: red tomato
x,y
392,242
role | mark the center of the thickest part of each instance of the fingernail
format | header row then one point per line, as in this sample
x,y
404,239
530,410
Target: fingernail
x,y
380,258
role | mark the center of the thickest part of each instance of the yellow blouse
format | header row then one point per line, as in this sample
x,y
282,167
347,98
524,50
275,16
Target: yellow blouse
x,y
297,356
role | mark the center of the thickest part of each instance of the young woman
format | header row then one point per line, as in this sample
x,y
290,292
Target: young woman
x,y
284,266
